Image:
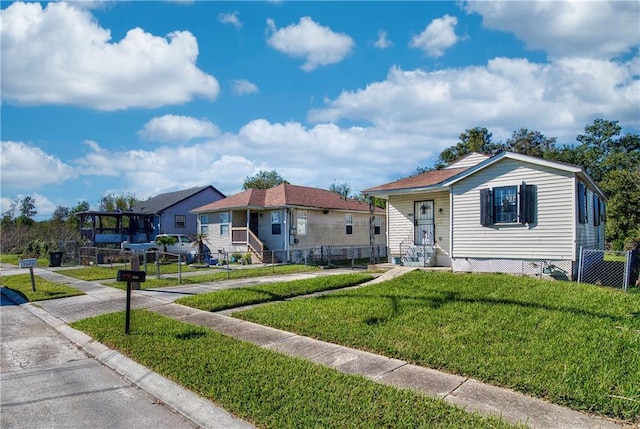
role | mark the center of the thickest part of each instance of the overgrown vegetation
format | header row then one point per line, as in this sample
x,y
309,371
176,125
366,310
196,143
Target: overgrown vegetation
x,y
238,297
268,388
21,284
574,344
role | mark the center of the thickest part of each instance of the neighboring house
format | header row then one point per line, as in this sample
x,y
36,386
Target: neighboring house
x,y
508,213
166,213
287,218
172,210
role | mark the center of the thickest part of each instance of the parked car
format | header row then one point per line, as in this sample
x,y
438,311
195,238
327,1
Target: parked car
x,y
183,245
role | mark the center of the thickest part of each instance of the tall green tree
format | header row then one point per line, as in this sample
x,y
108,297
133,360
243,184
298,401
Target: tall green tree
x,y
27,211
343,189
115,202
478,139
528,142
263,180
622,228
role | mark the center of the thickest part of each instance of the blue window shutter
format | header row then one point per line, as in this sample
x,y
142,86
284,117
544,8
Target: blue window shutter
x,y
596,210
486,207
527,203
582,203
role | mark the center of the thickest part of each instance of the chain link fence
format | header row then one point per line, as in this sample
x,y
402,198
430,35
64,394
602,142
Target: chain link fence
x,y
350,256
609,268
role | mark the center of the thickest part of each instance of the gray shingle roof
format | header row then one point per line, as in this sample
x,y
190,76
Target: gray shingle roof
x,y
163,201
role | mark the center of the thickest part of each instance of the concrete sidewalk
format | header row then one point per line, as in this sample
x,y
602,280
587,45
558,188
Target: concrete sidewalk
x,y
47,381
467,393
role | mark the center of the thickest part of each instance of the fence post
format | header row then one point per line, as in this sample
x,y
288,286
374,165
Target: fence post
x,y
627,270
580,264
179,269
353,257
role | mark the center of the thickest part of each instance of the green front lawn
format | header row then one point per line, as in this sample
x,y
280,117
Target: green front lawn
x,y
266,387
218,275
105,273
574,344
238,297
15,259
21,284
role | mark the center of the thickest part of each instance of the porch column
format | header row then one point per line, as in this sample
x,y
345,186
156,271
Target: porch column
x,y
247,226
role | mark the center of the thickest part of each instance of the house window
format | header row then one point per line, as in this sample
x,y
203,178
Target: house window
x,y
349,223
204,224
507,204
582,203
224,223
504,204
181,221
376,225
301,222
276,223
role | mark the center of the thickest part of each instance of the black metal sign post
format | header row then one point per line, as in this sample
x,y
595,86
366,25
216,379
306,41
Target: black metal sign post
x,y
130,276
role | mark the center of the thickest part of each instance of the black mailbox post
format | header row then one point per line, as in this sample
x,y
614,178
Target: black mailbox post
x,y
130,276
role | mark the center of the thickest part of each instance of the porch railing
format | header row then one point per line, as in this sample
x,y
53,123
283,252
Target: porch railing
x,y
239,235
255,244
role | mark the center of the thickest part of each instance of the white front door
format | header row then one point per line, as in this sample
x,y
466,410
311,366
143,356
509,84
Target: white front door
x,y
424,226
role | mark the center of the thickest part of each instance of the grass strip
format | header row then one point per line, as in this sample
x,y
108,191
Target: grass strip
x,y
268,388
240,273
105,273
14,259
574,344
21,284
238,297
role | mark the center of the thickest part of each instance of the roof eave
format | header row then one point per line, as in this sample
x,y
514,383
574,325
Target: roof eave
x,y
388,192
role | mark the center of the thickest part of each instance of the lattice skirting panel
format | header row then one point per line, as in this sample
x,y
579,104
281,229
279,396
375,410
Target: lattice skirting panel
x,y
559,269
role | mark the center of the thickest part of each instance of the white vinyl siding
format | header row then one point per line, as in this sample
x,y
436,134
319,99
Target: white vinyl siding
x,y
550,236
401,220
588,235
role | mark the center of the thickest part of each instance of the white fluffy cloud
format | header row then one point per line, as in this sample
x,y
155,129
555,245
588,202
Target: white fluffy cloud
x,y
26,167
383,42
43,205
177,129
554,98
60,55
437,37
230,18
244,87
596,29
318,45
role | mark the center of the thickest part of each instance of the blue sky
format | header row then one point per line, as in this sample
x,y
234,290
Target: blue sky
x,y
146,97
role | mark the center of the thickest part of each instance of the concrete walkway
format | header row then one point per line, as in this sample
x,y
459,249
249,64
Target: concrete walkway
x,y
465,392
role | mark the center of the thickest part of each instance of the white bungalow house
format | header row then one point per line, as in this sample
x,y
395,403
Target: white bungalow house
x,y
507,213
288,219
